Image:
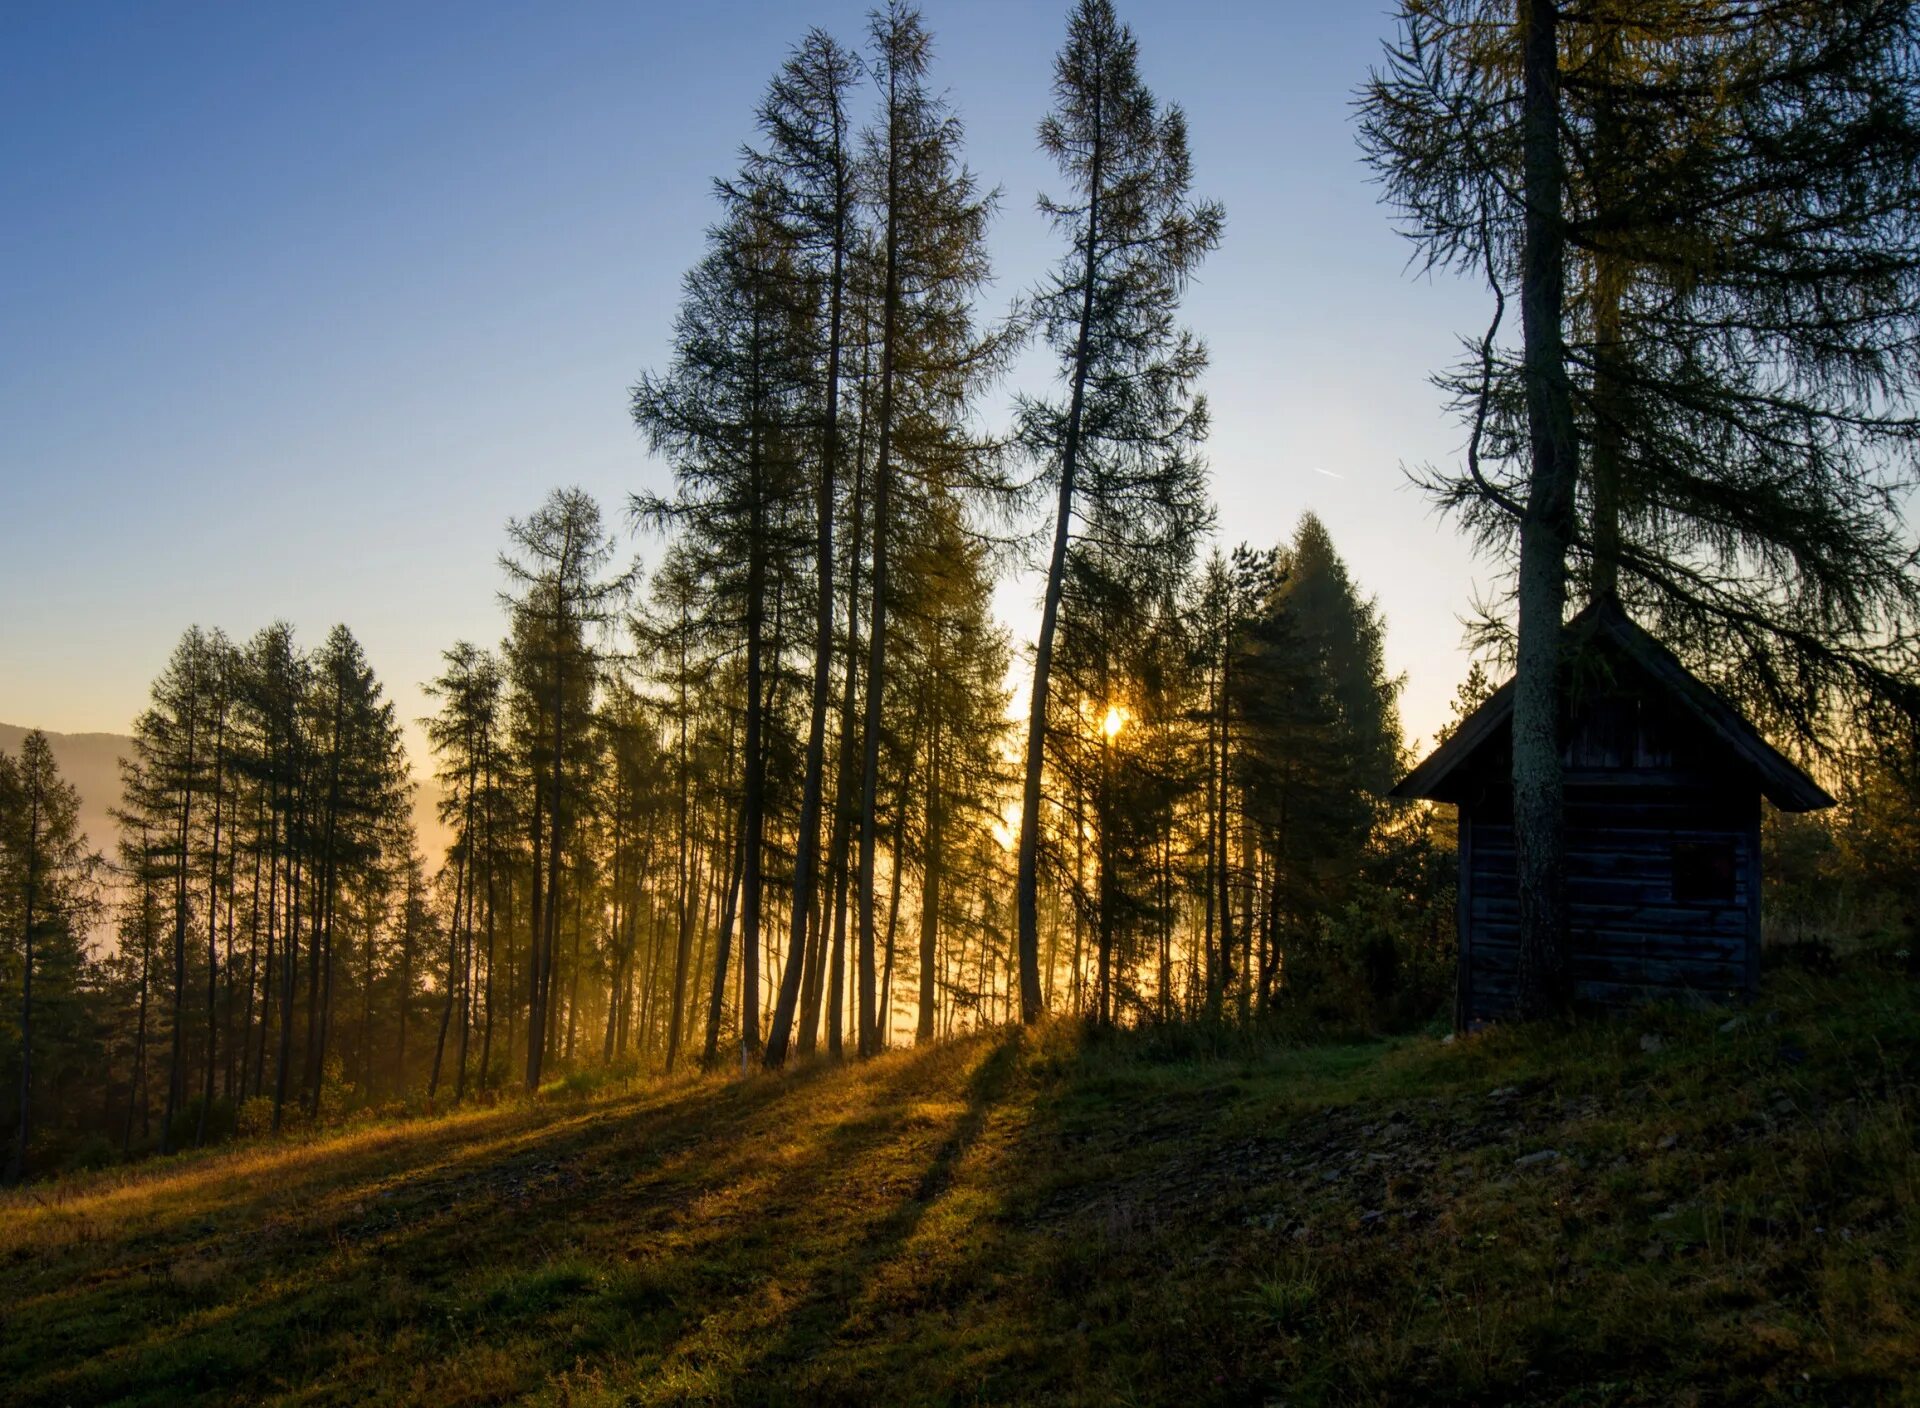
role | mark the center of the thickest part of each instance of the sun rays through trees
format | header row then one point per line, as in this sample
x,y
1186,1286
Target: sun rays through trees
x,y
795,792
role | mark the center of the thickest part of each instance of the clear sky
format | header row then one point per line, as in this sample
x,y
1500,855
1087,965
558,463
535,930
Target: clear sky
x,y
298,303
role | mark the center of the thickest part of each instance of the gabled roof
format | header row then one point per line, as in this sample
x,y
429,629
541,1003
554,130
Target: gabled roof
x,y
1780,779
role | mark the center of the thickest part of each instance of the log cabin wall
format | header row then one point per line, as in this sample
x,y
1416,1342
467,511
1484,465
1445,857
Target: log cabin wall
x,y
1663,900
1664,781
1662,866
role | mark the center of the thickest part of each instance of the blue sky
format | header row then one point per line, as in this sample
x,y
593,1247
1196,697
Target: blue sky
x,y
299,302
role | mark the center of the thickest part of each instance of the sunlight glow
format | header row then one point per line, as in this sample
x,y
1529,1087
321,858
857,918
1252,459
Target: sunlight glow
x,y
1115,721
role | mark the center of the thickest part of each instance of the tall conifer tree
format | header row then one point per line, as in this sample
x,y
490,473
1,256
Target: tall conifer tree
x,y
1124,434
1708,214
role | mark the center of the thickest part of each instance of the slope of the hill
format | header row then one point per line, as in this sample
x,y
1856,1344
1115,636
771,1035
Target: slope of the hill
x,y
1703,1208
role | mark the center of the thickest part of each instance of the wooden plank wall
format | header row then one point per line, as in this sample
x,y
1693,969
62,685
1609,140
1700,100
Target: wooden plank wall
x,y
1632,940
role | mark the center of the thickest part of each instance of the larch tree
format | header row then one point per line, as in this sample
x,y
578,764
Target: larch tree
x,y
731,416
1707,212
808,163
929,262
1124,433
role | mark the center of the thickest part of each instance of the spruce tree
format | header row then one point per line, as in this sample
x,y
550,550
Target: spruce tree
x,y
360,786
46,902
165,783
1321,741
564,597
464,736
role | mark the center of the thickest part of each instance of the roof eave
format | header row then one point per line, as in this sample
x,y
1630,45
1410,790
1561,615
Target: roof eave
x,y
1780,780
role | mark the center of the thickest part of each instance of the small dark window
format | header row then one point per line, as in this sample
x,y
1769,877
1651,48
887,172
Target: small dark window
x,y
1703,872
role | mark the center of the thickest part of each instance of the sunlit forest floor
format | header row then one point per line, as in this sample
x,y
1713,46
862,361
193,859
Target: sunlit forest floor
x,y
1673,1208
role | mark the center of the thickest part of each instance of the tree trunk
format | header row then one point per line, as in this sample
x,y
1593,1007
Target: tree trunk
x,y
813,981
877,624
1225,801
930,877
368,968
709,875
540,1016
136,1092
486,1036
17,1162
453,949
724,940
229,1073
753,791
682,953
1028,879
321,936
808,839
273,920
536,921
406,983
579,928
618,930
289,976
176,1084
466,991
1538,820
839,842
683,945
213,925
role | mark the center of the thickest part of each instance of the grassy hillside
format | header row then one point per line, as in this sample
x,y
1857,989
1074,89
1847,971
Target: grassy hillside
x,y
1675,1209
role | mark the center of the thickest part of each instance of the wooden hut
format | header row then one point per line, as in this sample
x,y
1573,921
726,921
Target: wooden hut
x,y
1663,785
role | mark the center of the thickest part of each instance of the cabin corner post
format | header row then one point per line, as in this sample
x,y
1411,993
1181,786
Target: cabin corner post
x,y
1463,922
1754,897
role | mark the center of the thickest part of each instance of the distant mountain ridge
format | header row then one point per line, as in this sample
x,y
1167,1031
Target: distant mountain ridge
x,y
91,762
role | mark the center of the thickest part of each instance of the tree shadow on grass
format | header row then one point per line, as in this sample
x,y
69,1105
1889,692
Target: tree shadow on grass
x,y
836,1292
184,1310
706,1242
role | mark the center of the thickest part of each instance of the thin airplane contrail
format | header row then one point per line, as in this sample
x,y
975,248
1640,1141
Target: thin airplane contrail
x,y
1329,473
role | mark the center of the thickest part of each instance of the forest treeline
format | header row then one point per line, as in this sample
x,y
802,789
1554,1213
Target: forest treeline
x,y
283,953
772,794
746,776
